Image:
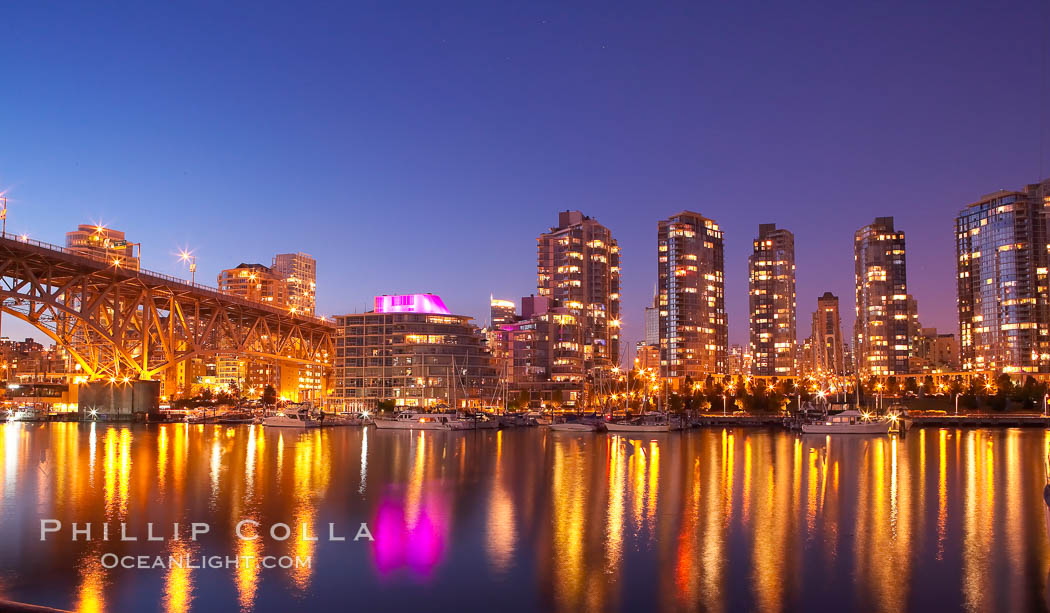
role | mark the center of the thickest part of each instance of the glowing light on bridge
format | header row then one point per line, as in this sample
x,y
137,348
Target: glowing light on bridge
x,y
411,303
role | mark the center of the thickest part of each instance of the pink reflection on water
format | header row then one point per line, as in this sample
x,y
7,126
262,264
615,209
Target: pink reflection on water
x,y
398,545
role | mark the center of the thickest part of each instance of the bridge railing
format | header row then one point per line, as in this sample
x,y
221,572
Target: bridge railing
x,y
21,238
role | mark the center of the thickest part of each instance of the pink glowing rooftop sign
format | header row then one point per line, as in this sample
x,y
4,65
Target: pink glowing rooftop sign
x,y
411,303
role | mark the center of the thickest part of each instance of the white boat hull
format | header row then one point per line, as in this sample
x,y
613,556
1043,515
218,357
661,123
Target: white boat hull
x,y
874,427
282,422
470,424
574,427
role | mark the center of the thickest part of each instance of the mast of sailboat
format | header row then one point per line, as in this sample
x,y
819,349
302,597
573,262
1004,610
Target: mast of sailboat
x,y
462,383
450,388
623,354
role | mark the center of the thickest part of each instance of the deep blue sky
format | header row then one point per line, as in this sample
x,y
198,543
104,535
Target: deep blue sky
x,y
423,147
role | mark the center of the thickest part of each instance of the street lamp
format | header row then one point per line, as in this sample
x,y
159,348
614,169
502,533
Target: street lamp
x,y
957,403
188,257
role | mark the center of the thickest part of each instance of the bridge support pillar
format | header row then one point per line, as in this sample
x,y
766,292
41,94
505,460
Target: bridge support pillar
x,y
119,401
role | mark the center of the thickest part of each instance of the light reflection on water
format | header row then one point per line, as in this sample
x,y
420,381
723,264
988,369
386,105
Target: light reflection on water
x,y
531,519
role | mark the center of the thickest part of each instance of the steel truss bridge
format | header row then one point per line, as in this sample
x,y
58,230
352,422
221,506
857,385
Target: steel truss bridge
x,y
118,323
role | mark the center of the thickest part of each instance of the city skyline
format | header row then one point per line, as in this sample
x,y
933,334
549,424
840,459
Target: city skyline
x,y
16,329
212,181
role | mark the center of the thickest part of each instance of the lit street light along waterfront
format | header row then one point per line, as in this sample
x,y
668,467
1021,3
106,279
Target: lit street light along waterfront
x,y
530,519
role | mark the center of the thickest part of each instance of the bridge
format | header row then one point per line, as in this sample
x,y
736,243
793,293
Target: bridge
x,y
118,323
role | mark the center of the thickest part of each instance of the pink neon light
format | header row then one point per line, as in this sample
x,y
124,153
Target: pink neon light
x,y
411,303
399,544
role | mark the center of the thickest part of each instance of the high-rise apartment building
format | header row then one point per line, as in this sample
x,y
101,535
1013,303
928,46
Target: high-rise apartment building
x,y
544,356
826,337
1001,247
501,312
912,311
738,360
252,374
807,359
652,320
934,352
771,273
646,356
578,267
254,282
647,352
691,296
881,327
300,273
103,244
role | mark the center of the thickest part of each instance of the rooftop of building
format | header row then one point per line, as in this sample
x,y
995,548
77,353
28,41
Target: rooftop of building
x,y
1032,189
244,266
98,229
881,225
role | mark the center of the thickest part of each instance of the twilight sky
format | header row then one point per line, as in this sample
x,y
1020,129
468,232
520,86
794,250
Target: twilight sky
x,y
422,147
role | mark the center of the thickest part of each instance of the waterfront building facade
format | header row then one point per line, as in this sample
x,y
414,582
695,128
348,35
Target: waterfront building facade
x,y
771,297
230,371
694,334
103,244
1001,253
881,328
578,268
412,351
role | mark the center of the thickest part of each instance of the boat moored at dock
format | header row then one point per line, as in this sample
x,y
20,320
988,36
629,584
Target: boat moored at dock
x,y
413,420
659,422
849,422
515,420
476,421
578,424
297,419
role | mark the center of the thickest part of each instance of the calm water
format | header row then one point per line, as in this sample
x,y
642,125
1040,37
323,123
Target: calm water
x,y
529,519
